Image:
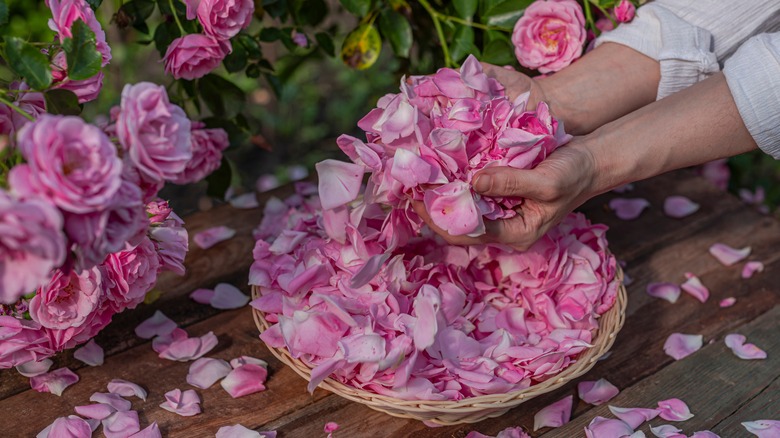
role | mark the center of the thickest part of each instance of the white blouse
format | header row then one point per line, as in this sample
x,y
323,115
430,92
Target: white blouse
x,y
693,39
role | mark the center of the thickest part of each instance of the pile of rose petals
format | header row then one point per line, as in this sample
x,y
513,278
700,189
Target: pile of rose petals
x,y
425,321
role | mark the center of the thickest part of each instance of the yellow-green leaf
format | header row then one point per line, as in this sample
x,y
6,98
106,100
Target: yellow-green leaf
x,y
361,47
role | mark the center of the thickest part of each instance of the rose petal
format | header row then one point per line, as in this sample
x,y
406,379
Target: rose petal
x,y
330,426
244,380
637,434
674,409
206,371
114,400
666,431
157,325
226,296
97,411
243,360
628,208
67,427
634,417
679,345
187,349
452,208
239,431
91,354
704,434
728,255
601,427
596,392
554,415
32,369
55,381
679,207
751,268
121,424
339,182
666,291
202,296
151,431
742,350
727,302
763,428
245,201
212,236
694,287
126,389
186,403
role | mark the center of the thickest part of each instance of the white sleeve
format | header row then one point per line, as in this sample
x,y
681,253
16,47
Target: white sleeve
x,y
753,76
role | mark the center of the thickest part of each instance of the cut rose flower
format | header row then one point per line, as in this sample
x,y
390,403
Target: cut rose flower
x,y
550,35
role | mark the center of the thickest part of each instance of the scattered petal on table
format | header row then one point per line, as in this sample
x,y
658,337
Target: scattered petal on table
x,y
157,325
694,287
55,381
727,302
330,427
634,417
244,380
93,423
237,431
763,428
185,403
666,431
674,409
245,201
151,431
32,368
212,236
91,354
97,411
187,349
596,392
601,427
679,207
628,208
161,343
121,424
65,427
126,389
751,268
665,291
237,362
554,415
202,296
638,434
114,400
206,371
728,255
512,432
704,434
226,296
742,350
680,345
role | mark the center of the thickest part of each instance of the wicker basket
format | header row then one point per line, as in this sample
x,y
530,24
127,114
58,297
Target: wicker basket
x,y
472,409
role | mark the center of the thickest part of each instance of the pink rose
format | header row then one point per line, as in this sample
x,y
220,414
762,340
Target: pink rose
x,y
70,163
68,300
194,55
171,241
154,133
130,274
624,11
224,19
86,90
21,341
207,147
32,103
549,35
66,12
31,245
158,211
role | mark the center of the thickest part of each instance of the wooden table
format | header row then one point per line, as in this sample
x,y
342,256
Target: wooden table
x,y
720,389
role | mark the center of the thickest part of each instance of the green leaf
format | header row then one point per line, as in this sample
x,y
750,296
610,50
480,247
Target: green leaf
x,y
135,13
236,60
498,52
28,62
462,43
253,71
94,4
361,47
276,8
357,7
270,34
465,8
396,29
219,180
223,97
164,35
251,46
3,12
326,43
505,13
310,12
62,102
236,135
84,60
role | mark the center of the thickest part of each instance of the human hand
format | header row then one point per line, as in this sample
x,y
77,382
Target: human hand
x,y
516,83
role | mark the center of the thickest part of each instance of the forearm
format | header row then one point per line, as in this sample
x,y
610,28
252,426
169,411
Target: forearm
x,y
694,126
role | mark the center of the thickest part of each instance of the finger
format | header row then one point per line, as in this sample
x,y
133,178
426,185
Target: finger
x,y
518,232
419,208
506,181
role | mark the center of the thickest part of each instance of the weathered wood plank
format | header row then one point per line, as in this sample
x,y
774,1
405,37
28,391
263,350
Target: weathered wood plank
x,y
764,406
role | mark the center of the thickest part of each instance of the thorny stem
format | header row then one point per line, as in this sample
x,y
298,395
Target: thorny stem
x,y
176,17
16,108
435,17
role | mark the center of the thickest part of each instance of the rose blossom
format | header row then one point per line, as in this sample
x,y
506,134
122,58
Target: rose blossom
x,y
194,55
31,245
130,274
224,19
68,299
30,102
207,147
21,341
66,12
154,133
70,163
170,239
549,35
624,11
86,90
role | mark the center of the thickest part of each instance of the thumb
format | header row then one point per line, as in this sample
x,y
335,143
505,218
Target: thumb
x,y
507,181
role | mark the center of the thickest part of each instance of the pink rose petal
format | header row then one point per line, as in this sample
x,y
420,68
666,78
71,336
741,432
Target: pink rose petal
x,y
97,411
704,434
666,431
243,360
202,296
157,325
126,389
226,296
212,236
694,287
554,415
628,208
245,201
67,427
453,209
114,400
601,427
728,255
237,431
32,369
330,427
751,268
763,428
151,431
244,380
55,381
666,291
185,349
674,409
121,424
596,392
727,302
339,182
91,354
185,403
679,207
679,345
206,371
634,417
742,350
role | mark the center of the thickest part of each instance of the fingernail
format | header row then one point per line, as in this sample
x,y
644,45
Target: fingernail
x,y
481,184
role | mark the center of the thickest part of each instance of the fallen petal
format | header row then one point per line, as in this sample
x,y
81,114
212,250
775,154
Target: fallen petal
x,y
114,400
666,291
32,369
243,360
596,392
244,380
97,411
674,409
679,345
237,431
763,428
67,427
601,427
554,415
666,431
742,350
704,434
212,236
202,296
126,389
91,354
330,427
55,381
728,255
679,207
751,268
226,296
157,325
185,403
628,208
187,349
206,371
727,302
245,201
634,417
151,431
121,424
694,287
